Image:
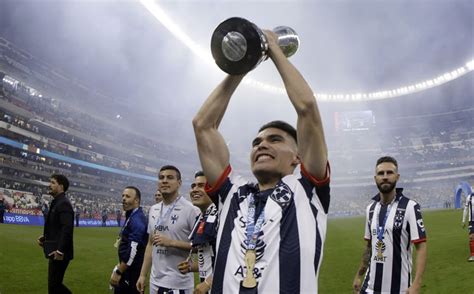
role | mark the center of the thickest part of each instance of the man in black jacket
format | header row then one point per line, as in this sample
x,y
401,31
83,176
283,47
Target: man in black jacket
x,y
57,240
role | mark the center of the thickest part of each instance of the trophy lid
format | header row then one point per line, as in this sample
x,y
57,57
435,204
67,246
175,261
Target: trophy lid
x,y
236,45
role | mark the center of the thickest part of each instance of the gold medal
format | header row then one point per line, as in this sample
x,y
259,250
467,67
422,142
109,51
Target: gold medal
x,y
249,280
380,248
117,243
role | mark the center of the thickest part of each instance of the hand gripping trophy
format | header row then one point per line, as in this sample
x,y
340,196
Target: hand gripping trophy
x,y
238,45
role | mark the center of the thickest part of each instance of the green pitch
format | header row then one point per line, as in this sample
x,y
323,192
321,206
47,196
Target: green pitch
x,y
23,269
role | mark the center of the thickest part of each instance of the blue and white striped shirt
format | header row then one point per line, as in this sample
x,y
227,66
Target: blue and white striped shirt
x,y
290,244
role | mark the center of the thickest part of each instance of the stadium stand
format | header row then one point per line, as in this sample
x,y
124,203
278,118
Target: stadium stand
x,y
47,126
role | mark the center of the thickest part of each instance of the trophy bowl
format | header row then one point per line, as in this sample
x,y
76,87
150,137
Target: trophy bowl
x,y
238,45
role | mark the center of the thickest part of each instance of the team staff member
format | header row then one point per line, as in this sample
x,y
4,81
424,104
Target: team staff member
x,y
57,239
158,196
131,245
393,224
203,237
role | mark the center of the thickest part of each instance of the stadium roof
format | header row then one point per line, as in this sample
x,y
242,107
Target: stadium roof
x,y
120,49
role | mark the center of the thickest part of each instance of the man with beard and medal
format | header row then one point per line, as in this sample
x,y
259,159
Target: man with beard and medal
x,y
393,224
271,233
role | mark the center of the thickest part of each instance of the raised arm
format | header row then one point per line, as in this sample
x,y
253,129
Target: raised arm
x,y
212,149
312,147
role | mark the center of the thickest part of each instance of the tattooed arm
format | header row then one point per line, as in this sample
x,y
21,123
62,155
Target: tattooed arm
x,y
364,265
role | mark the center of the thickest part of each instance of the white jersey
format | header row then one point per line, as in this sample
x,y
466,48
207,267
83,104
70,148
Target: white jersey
x,y
469,209
391,261
175,221
289,247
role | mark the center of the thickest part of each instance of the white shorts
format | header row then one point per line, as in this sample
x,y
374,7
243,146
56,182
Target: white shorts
x,y
154,290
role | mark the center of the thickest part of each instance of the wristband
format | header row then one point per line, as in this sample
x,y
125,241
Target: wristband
x,y
117,271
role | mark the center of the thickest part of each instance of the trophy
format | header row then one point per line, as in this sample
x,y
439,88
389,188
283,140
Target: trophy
x,y
238,45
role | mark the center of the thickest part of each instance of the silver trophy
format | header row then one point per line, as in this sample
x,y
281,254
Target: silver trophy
x,y
238,45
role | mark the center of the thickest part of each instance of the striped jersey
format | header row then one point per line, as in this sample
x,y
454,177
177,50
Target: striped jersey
x,y
175,221
289,246
391,261
203,238
469,209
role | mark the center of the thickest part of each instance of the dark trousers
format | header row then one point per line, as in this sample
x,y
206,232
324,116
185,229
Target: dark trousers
x,y
1,216
128,282
56,270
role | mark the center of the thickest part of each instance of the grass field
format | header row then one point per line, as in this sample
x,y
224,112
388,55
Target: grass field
x,y
23,269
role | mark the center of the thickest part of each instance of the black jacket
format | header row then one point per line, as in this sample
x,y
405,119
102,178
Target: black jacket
x,y
133,239
58,228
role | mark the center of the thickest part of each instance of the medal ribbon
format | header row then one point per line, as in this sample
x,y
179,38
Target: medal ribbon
x,y
162,218
253,228
381,227
126,223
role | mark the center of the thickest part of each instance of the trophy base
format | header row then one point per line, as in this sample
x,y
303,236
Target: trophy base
x,y
250,46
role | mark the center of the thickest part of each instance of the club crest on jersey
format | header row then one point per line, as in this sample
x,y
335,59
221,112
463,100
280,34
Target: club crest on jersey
x,y
174,218
398,220
282,194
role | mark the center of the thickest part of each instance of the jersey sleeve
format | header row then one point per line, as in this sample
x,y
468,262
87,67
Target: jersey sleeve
x,y
321,186
415,223
317,182
151,222
193,217
367,234
224,185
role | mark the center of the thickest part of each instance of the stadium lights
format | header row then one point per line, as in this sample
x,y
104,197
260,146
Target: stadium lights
x,y
167,22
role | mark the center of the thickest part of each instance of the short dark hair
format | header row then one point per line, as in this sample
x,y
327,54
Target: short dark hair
x,y
171,167
281,125
62,180
199,173
137,192
387,159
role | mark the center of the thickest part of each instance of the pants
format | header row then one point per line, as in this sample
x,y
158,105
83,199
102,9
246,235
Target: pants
x,y
56,271
128,282
1,216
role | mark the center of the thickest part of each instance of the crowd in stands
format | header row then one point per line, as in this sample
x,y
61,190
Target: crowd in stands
x,y
439,143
